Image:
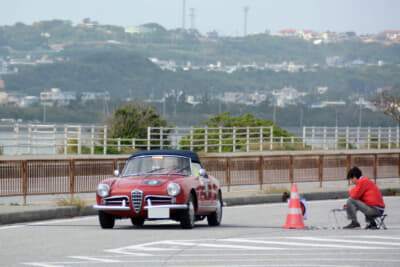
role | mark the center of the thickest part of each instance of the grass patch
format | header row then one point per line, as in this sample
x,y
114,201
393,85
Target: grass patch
x,y
76,201
276,190
393,192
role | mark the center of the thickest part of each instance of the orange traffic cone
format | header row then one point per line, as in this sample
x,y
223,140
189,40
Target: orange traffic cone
x,y
295,216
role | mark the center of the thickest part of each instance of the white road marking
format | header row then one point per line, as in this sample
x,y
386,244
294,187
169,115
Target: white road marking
x,y
41,264
228,262
345,241
68,220
152,246
300,244
11,227
222,252
95,259
196,244
125,259
125,252
77,219
376,236
144,247
174,245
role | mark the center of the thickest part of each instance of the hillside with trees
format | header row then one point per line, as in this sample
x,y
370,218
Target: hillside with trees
x,y
127,74
183,45
97,58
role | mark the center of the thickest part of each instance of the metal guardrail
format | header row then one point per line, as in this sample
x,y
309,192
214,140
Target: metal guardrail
x,y
25,139
71,176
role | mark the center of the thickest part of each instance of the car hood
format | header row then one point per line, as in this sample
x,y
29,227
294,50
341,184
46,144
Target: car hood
x,y
146,180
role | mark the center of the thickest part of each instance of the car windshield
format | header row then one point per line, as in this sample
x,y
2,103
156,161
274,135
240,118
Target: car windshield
x,y
157,164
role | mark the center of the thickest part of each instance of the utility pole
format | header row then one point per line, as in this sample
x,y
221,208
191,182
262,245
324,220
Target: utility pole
x,y
274,114
163,107
183,13
360,119
192,17
105,106
246,10
301,116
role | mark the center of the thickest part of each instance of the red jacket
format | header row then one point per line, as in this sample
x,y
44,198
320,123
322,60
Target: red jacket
x,y
367,191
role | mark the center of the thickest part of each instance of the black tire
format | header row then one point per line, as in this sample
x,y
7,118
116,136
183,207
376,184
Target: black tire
x,y
189,215
214,219
137,221
107,221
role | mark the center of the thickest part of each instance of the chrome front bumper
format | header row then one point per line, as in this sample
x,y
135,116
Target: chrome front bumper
x,y
125,207
171,206
161,211
110,207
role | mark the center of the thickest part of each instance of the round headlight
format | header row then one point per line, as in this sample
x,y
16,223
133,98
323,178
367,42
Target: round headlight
x,y
103,190
173,189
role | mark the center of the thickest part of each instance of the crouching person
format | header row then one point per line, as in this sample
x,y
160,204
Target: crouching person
x,y
365,197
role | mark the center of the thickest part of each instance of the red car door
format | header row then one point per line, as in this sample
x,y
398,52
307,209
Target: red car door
x,y
203,189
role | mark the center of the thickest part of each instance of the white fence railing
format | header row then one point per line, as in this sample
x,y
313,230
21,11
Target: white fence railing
x,y
17,139
351,137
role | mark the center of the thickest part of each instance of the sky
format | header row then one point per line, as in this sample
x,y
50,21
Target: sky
x,y
224,16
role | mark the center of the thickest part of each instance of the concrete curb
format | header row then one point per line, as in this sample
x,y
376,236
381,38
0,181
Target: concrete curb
x,y
22,214
38,213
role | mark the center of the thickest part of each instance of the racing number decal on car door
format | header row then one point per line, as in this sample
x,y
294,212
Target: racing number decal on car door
x,y
202,191
204,182
206,189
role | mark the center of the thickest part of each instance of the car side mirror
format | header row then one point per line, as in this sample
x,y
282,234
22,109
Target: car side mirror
x,y
202,172
116,173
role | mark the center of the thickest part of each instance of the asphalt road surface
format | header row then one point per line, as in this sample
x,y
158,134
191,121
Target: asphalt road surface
x,y
249,236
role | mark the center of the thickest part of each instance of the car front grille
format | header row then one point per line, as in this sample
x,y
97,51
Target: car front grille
x,y
137,198
160,199
116,200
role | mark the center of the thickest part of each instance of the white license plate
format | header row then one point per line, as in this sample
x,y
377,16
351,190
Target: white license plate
x,y
158,213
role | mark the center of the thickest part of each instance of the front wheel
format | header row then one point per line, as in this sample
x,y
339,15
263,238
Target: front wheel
x,y
189,216
107,221
214,219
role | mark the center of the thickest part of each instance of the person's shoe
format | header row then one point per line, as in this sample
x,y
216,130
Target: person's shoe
x,y
372,226
352,225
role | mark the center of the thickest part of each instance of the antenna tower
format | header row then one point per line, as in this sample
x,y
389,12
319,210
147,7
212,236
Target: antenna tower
x,y
192,17
246,10
183,13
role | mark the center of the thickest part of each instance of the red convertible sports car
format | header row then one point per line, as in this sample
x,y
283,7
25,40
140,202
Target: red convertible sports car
x,y
160,184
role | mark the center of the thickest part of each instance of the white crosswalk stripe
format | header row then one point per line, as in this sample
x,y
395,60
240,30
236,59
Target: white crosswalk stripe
x,y
296,250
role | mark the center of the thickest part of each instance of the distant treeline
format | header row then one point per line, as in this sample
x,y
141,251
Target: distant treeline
x,y
189,115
